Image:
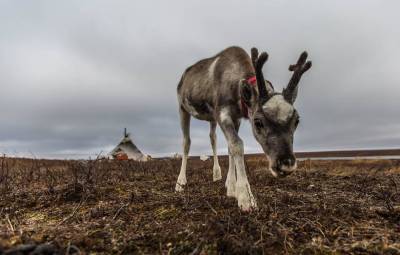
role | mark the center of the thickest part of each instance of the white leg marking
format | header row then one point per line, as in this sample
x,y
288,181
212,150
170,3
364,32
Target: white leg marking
x,y
182,175
185,125
230,183
216,168
246,200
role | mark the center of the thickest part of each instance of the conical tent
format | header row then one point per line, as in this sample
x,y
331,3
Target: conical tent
x,y
126,149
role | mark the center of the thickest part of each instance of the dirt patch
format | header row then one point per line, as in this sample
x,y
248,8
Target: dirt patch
x,y
327,207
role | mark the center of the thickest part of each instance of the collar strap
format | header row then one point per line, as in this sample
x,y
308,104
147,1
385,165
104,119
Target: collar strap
x,y
252,80
245,110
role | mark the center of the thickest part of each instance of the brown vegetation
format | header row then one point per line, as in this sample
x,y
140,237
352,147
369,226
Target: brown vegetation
x,y
115,207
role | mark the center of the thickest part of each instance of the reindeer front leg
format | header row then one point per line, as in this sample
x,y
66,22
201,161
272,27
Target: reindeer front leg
x,y
185,125
230,182
245,198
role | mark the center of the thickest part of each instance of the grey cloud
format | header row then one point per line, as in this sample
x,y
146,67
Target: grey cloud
x,y
74,74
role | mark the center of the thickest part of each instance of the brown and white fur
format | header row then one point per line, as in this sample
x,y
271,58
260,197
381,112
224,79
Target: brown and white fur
x,y
214,90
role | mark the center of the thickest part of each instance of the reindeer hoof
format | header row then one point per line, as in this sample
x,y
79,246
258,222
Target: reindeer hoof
x,y
180,183
248,206
246,200
179,187
248,209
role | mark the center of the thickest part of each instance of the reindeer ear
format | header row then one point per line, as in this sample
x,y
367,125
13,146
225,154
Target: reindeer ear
x,y
247,92
269,87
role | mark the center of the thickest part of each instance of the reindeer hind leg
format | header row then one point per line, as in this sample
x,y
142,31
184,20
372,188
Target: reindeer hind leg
x,y
213,138
185,125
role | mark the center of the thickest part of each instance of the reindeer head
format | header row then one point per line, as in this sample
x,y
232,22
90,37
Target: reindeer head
x,y
273,117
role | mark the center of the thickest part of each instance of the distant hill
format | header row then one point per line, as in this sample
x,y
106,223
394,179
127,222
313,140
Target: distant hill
x,y
336,154
347,153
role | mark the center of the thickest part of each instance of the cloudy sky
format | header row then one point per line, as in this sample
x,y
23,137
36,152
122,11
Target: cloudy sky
x,y
73,74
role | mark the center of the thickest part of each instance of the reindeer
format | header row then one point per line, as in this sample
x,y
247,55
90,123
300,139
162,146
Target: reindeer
x,y
226,88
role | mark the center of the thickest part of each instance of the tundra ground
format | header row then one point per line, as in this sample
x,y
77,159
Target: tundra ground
x,y
109,207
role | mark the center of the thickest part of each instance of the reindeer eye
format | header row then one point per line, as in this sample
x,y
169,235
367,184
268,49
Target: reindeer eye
x,y
258,124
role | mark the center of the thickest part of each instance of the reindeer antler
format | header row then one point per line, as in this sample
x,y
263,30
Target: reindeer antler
x,y
290,92
258,63
254,56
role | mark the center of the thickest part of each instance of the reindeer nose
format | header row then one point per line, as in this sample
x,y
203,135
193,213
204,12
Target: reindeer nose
x,y
287,161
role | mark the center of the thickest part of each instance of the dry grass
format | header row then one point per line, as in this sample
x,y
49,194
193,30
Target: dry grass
x,y
327,207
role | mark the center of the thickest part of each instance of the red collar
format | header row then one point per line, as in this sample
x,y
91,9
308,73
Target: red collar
x,y
245,110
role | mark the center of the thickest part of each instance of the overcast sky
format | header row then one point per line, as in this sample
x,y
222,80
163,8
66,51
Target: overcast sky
x,y
73,74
